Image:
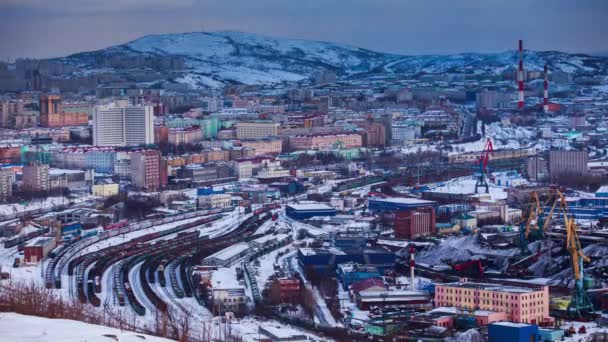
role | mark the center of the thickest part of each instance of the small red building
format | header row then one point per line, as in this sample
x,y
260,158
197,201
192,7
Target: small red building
x,y
415,223
37,249
288,289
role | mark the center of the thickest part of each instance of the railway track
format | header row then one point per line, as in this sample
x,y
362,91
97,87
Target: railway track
x,y
135,265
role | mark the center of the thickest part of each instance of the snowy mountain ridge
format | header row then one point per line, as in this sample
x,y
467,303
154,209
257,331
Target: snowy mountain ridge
x,y
218,58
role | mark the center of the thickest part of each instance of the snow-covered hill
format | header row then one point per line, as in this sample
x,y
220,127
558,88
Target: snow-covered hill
x,y
20,328
218,58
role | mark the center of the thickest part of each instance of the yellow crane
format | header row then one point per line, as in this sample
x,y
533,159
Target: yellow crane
x,y
580,303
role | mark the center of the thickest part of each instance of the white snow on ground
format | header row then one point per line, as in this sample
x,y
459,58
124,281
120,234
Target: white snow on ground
x,y
47,203
466,185
322,310
590,327
21,328
267,262
248,329
25,273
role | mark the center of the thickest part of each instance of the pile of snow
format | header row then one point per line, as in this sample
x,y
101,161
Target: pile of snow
x,y
16,327
471,335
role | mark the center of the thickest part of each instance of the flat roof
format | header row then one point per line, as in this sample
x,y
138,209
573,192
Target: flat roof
x,y
310,206
490,287
402,200
41,241
229,252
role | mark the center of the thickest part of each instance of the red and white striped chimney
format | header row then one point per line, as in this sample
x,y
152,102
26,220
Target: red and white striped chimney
x,y
520,77
412,266
546,91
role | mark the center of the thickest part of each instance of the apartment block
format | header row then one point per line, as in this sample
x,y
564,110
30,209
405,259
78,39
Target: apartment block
x,y
148,170
6,184
36,177
567,163
256,130
123,125
522,305
324,142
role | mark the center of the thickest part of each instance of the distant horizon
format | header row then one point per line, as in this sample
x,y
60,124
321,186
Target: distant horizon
x,y
49,29
598,53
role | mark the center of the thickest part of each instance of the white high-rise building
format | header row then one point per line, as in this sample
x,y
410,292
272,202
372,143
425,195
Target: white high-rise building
x,y
123,125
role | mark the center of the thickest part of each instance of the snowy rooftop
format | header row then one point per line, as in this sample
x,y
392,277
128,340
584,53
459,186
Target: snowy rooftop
x,y
491,287
402,200
230,252
310,206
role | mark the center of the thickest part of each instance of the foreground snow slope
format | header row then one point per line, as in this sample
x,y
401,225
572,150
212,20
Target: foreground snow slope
x,y
16,328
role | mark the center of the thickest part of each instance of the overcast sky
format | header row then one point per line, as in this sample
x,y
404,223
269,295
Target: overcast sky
x,y
49,28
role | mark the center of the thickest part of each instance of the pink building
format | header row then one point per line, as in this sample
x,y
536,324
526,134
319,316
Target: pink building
x,y
445,316
521,305
324,142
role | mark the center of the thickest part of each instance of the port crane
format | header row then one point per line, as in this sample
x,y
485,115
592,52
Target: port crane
x,y
488,150
533,226
580,304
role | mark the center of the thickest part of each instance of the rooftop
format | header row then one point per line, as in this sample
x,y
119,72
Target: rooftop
x,y
310,206
403,200
490,287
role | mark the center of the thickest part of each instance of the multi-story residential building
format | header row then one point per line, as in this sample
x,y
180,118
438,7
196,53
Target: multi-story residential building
x,y
8,110
256,130
184,136
123,125
567,163
264,146
217,154
99,159
226,134
324,142
522,305
244,169
404,134
36,177
52,114
10,153
6,184
415,223
148,170
374,134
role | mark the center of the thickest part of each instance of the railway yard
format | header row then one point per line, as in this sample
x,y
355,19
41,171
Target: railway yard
x,y
219,266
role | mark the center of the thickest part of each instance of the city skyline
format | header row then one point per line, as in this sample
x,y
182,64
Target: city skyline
x,y
409,28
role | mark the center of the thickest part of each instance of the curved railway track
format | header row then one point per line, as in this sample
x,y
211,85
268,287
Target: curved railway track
x,y
174,254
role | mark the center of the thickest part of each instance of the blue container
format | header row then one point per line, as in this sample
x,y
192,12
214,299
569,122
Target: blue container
x,y
512,332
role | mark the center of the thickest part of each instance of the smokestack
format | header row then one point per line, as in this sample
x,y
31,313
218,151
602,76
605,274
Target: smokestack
x,y
412,266
546,91
520,77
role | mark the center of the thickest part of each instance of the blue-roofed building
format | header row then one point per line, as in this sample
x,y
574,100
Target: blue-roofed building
x,y
376,204
302,211
208,191
350,273
323,261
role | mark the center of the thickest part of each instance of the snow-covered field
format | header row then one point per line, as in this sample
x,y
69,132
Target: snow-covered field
x,y
21,328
